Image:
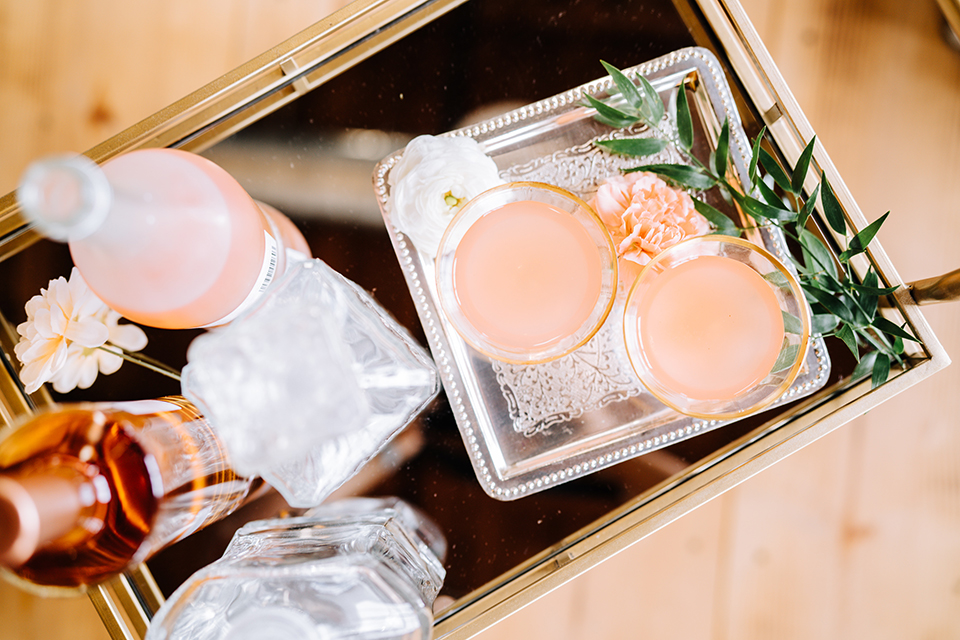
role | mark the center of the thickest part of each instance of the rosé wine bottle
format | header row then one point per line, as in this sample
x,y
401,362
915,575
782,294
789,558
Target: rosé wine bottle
x,y
87,490
165,237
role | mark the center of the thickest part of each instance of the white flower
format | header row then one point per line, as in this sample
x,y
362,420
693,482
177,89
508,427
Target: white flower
x,y
432,181
66,323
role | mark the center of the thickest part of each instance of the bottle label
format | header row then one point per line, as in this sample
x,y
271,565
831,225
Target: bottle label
x,y
268,270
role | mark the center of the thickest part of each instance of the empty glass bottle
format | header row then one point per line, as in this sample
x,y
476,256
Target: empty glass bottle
x,y
360,568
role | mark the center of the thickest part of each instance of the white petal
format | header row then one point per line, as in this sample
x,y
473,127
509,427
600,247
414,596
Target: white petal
x,y
108,362
87,332
88,372
128,336
43,325
40,350
30,375
60,294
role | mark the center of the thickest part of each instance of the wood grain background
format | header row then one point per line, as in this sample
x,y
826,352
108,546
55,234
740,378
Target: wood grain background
x,y
856,536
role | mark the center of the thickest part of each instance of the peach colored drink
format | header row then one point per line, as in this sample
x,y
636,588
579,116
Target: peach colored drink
x,y
710,328
527,275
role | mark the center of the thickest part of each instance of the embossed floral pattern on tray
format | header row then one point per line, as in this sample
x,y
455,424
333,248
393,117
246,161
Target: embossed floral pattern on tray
x,y
530,427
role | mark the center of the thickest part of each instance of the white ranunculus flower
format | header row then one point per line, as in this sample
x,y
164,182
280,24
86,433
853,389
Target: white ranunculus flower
x,y
61,339
432,181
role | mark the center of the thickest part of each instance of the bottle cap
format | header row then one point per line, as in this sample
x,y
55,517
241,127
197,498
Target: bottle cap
x,y
34,510
273,623
67,197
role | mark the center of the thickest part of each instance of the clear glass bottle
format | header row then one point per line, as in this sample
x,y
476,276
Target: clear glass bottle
x,y
360,568
86,490
165,237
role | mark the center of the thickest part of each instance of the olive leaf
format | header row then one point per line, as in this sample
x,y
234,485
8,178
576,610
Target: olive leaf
x,y
682,173
759,209
865,366
755,158
823,323
892,329
787,356
858,244
771,196
849,338
634,146
609,115
803,163
881,370
721,157
626,87
808,208
831,207
816,255
791,323
725,226
652,109
773,167
684,121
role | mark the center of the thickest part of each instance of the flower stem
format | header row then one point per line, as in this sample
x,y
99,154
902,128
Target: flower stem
x,y
142,360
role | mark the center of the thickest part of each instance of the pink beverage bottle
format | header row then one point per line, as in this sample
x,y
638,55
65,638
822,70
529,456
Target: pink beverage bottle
x,y
165,237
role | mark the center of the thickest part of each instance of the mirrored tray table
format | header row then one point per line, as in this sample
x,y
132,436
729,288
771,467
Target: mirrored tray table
x,y
303,127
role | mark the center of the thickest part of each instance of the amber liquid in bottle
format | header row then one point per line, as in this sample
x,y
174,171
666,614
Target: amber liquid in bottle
x,y
145,474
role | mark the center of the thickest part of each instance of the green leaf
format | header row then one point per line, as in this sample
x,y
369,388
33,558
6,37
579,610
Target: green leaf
x,y
757,209
637,147
609,115
808,207
771,196
788,355
868,300
823,323
627,89
892,329
874,291
755,158
684,121
725,226
849,338
791,323
803,163
865,366
859,242
777,279
829,302
682,173
881,370
816,255
898,345
831,207
723,149
773,167
652,104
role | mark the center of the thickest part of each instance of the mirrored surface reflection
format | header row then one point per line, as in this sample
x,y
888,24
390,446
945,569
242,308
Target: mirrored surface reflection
x,y
314,158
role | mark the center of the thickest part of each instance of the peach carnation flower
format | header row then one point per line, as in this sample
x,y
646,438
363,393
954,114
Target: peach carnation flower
x,y
645,215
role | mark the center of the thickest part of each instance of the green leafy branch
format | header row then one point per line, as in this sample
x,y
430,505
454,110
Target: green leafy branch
x,y
842,306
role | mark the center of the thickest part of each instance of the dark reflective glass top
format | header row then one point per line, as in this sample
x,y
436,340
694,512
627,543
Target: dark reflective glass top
x,y
313,159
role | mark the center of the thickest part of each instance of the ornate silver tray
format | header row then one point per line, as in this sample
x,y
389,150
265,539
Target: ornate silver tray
x,y
530,427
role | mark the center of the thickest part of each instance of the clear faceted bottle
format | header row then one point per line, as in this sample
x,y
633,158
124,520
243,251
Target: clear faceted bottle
x,y
360,568
87,490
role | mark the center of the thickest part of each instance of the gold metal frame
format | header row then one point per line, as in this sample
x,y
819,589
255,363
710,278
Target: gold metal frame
x,y
356,32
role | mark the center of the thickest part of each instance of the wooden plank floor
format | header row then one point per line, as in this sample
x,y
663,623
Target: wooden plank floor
x,y
856,536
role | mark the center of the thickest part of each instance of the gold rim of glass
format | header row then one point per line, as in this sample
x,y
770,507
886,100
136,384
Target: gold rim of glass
x,y
488,201
796,293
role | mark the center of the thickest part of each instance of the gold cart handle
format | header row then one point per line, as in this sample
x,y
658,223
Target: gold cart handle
x,y
943,288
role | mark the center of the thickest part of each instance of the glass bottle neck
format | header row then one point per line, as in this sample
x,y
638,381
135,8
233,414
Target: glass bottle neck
x,y
67,197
